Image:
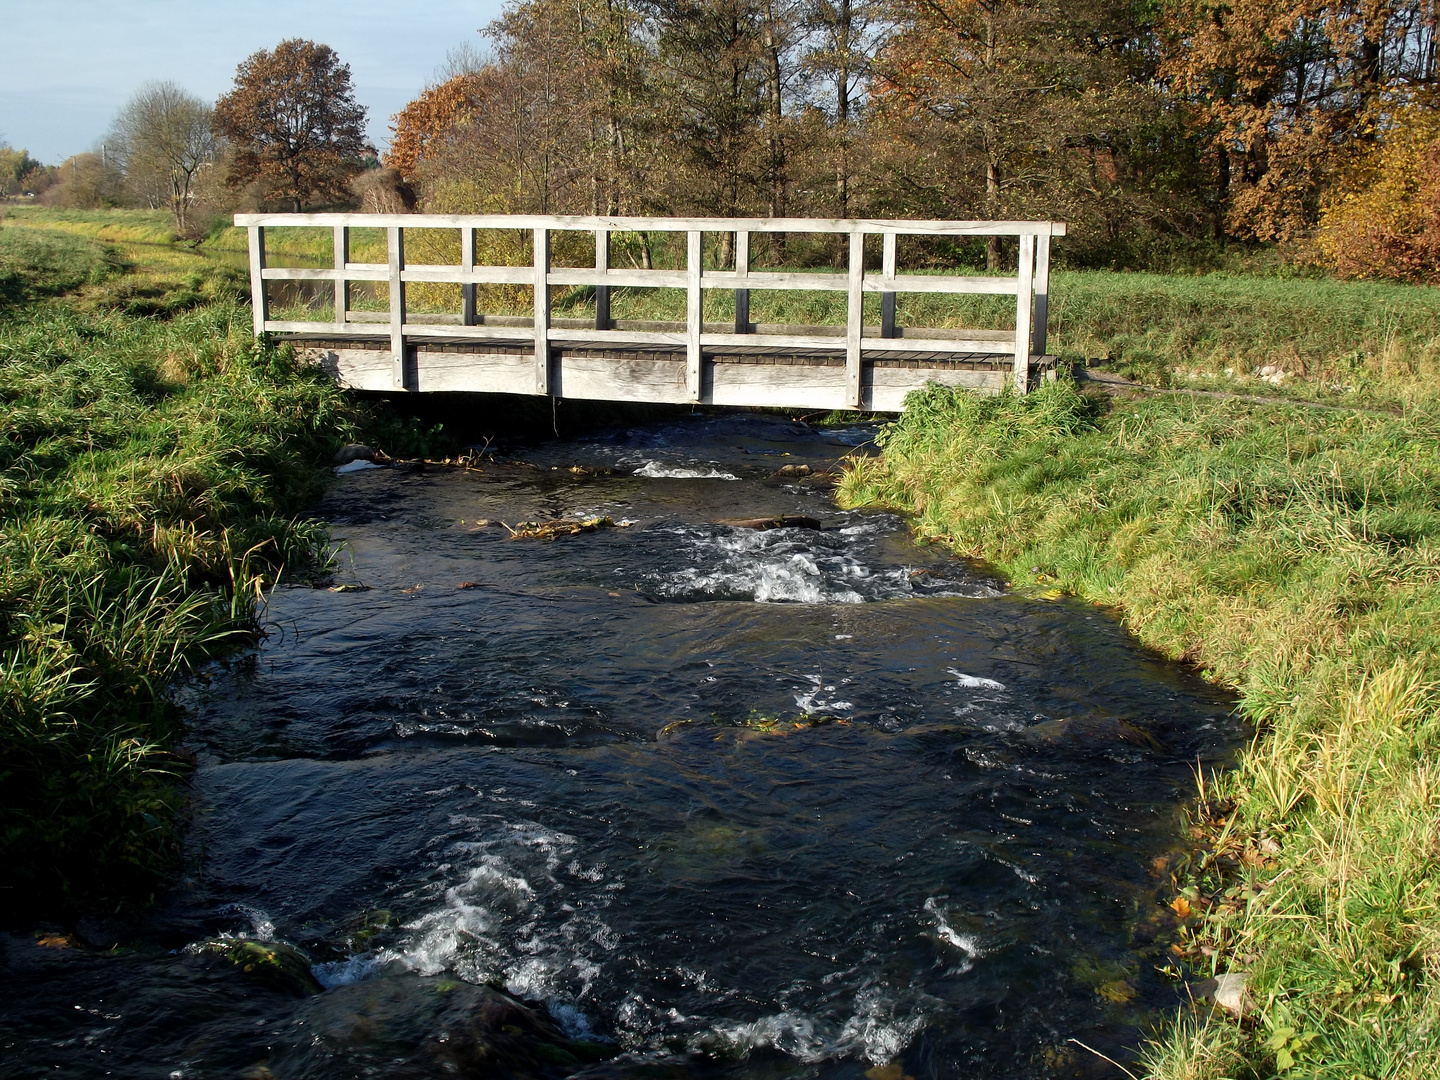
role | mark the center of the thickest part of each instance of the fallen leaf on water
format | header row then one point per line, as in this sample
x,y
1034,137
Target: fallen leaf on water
x,y
54,941
349,588
413,588
892,1071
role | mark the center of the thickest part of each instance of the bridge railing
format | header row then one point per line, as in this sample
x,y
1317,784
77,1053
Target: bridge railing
x,y
1030,286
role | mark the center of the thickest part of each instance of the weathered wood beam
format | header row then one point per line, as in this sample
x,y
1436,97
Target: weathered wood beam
x,y
659,224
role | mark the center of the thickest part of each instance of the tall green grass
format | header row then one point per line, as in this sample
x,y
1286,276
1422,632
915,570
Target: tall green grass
x,y
1293,554
153,459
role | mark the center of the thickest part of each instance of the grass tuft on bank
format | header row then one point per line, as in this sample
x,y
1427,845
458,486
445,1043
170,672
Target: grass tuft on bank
x,y
1293,554
153,461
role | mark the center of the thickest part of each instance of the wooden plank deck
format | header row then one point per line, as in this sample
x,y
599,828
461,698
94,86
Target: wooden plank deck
x,y
853,366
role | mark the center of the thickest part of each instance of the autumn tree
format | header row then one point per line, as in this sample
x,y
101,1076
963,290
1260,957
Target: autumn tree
x,y
1383,219
163,138
294,124
1285,95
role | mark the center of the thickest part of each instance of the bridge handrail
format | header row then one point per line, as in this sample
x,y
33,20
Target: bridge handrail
x,y
1029,285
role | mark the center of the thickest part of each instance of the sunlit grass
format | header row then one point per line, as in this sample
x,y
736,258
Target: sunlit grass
x,y
1293,554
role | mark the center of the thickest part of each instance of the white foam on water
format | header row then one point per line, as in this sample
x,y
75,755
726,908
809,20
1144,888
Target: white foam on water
x,y
509,920
797,566
975,681
968,944
814,700
261,926
878,1028
656,471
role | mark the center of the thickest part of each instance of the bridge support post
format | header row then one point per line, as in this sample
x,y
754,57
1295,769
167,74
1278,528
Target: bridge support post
x,y
342,287
259,302
1042,294
395,243
467,289
854,321
742,269
602,292
693,314
1024,298
542,311
887,299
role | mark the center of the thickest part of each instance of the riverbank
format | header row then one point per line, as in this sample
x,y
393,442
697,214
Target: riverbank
x,y
153,465
1287,552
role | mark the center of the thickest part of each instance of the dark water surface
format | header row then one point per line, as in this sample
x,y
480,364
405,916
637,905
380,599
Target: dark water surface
x,y
786,803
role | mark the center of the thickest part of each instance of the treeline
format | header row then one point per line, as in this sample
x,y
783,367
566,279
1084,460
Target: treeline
x,y
289,133
1157,130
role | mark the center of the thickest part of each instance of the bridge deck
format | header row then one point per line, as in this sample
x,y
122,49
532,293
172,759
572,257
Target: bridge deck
x,y
836,367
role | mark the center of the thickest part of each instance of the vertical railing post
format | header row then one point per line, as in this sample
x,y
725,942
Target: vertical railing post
x,y
693,314
887,299
1024,298
1041,331
395,243
602,292
467,288
542,311
259,302
855,311
342,287
742,269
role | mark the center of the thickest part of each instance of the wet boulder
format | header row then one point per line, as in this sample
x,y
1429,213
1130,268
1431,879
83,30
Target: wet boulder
x,y
444,1027
358,452
273,964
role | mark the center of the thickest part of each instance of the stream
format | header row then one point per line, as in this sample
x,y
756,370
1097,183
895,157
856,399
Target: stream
x,y
717,802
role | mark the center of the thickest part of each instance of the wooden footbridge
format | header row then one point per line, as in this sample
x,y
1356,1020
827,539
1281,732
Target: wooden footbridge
x,y
853,366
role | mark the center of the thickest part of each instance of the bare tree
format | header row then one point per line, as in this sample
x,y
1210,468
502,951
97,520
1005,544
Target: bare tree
x,y
163,138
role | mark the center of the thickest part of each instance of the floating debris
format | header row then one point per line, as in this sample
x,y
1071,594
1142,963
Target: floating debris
x,y
781,521
349,588
551,530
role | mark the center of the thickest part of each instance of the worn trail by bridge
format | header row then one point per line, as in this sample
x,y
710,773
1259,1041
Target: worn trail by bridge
x,y
853,366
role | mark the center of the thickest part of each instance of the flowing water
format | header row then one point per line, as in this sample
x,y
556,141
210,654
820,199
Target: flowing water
x,y
791,803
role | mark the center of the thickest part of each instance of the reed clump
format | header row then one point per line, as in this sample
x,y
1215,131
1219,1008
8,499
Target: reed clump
x,y
152,465
1291,553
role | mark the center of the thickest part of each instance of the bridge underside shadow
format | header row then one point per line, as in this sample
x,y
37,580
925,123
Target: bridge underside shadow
x,y
736,375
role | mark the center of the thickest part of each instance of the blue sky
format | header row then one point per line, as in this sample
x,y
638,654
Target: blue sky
x,y
69,64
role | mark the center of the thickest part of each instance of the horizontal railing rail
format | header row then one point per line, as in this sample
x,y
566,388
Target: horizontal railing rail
x,y
1029,285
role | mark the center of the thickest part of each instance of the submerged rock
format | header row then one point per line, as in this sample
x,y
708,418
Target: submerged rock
x,y
444,1027
1093,732
782,521
280,967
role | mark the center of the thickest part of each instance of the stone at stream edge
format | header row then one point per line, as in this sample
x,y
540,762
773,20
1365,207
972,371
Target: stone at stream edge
x,y
358,452
1230,992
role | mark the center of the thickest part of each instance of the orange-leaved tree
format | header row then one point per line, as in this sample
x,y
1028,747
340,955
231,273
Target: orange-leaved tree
x,y
1384,220
294,124
424,122
1286,92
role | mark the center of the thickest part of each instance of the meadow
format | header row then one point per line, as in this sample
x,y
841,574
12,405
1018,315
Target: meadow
x,y
155,459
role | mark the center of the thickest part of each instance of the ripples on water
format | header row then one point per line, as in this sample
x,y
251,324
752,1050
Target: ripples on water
x,y
784,803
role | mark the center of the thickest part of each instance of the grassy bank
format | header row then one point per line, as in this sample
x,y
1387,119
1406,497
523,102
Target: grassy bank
x,y
152,463
1294,554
